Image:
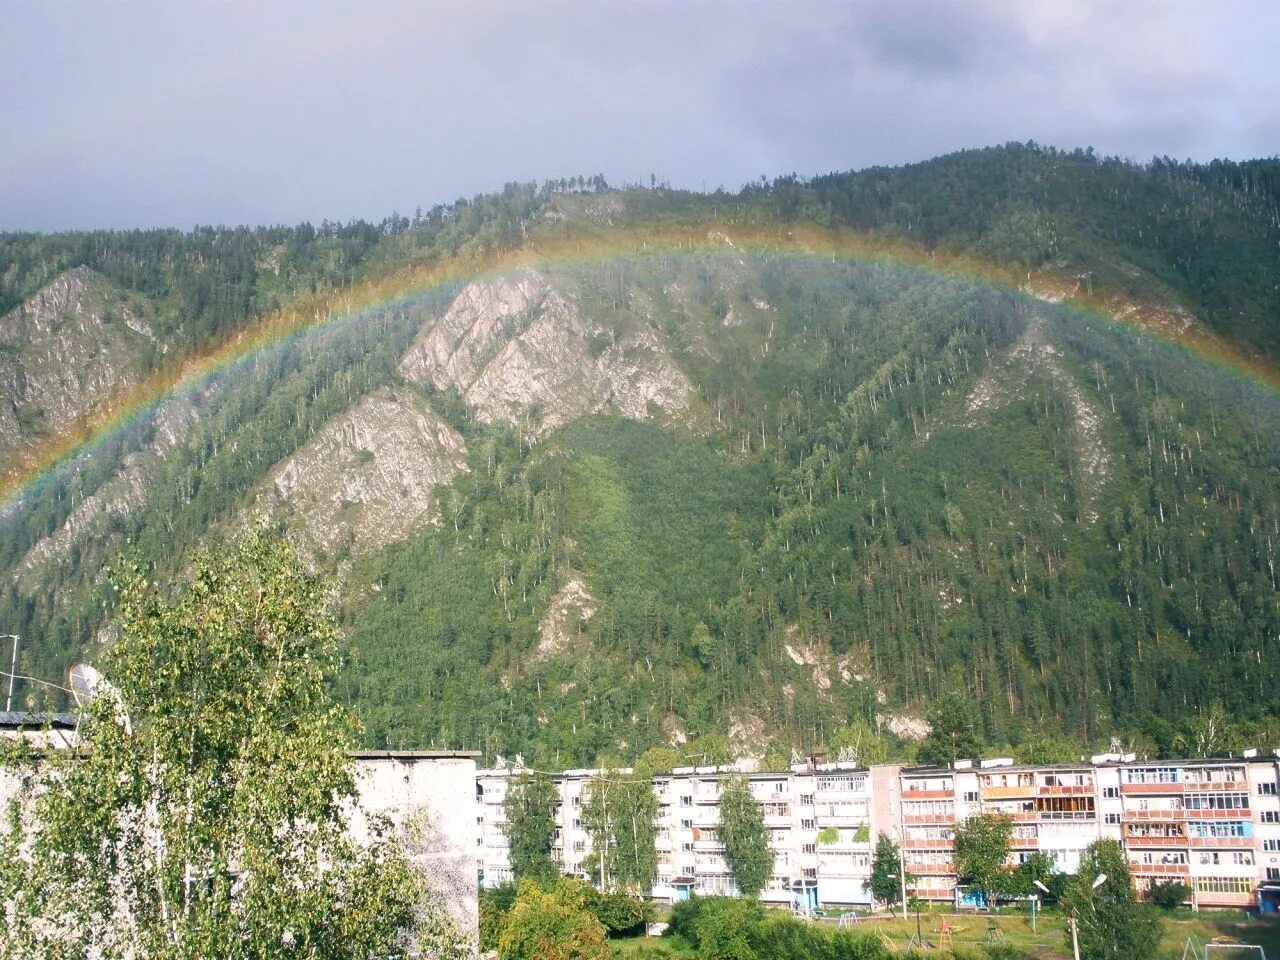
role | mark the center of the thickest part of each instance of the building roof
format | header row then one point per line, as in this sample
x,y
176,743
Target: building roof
x,y
23,719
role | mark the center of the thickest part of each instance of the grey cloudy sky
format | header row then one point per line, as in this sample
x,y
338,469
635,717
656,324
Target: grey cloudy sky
x,y
158,113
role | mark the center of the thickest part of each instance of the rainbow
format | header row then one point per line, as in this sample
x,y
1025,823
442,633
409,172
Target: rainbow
x,y
400,286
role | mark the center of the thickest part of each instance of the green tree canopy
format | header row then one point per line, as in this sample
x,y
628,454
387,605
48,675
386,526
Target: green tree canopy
x,y
746,841
621,814
552,924
530,810
885,883
207,811
982,847
955,731
1113,924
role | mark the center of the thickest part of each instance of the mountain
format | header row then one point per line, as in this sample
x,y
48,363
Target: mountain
x,y
597,470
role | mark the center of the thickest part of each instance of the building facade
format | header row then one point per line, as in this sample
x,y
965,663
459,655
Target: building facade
x,y
1213,824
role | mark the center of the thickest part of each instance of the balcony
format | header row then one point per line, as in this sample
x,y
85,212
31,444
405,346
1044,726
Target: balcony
x,y
922,818
1150,789
1007,793
927,844
1063,790
1147,815
1159,869
1140,841
1221,843
1217,786
931,869
1226,899
910,794
1217,814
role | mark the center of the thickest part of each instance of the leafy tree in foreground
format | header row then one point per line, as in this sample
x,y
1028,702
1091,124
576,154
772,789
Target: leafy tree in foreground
x,y
552,924
746,841
885,885
621,814
207,813
530,809
982,846
1113,924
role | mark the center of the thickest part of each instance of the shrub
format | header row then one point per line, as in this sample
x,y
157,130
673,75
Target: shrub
x,y
1169,895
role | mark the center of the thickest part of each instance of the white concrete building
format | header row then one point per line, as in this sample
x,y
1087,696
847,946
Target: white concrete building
x,y
1213,824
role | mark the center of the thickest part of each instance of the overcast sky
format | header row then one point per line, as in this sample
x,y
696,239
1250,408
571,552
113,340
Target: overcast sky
x,y
176,113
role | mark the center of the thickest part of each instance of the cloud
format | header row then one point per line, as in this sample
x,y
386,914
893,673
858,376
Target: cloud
x,y
156,113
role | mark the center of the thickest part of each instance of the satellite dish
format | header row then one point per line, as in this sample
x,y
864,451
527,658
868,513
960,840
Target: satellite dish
x,y
84,683
87,684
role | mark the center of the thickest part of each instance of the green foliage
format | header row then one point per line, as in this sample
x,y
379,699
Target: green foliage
x,y
955,731
495,903
886,882
1169,894
981,849
1112,922
207,814
552,924
621,814
619,911
746,841
723,928
1088,554
530,811
827,835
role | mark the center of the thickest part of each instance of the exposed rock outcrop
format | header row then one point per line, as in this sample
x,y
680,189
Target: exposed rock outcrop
x,y
72,346
521,352
119,496
370,476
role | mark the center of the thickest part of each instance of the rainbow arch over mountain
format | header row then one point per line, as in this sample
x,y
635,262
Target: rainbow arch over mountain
x,y
400,286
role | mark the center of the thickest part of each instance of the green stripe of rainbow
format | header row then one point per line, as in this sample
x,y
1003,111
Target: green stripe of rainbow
x,y
402,285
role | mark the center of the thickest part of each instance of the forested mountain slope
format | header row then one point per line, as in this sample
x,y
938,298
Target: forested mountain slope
x,y
584,503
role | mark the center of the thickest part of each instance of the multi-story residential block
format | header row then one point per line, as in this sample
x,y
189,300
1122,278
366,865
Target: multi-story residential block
x,y
1213,824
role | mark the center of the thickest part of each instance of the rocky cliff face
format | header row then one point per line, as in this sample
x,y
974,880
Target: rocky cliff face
x,y
370,477
72,346
120,496
520,351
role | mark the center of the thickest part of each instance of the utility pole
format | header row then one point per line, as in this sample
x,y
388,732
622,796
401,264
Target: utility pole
x,y
1075,937
13,669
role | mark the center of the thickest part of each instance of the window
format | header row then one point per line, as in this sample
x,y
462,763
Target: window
x,y
577,823
1271,846
686,801
809,848
1270,816
1273,873
971,796
1266,789
686,824
686,848
577,801
579,846
806,799
1113,818
1224,884
807,825
1111,792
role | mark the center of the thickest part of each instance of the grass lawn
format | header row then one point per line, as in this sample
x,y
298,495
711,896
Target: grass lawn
x,y
970,934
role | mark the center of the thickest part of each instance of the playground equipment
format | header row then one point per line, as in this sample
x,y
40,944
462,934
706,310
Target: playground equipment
x,y
1221,947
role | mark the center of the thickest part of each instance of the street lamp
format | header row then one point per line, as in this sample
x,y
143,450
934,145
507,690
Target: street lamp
x,y
1074,920
13,668
1035,900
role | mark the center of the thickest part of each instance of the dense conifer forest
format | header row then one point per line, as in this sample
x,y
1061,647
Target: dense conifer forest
x,y
893,484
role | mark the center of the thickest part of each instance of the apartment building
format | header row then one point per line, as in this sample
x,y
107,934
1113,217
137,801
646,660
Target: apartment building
x,y
818,817
1213,824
